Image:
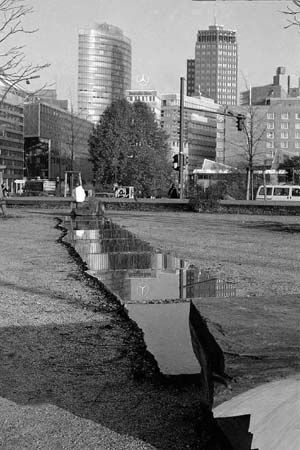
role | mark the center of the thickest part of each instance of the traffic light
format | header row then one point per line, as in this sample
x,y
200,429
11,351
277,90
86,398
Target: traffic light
x,y
240,122
185,160
290,174
175,162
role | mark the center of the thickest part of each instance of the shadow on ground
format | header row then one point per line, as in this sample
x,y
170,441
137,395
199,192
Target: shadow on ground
x,y
78,367
273,226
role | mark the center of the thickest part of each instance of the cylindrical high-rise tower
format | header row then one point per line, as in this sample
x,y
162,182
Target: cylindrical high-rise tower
x,y
104,69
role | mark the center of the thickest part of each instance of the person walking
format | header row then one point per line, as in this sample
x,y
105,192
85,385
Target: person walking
x,y
78,194
4,190
3,202
172,193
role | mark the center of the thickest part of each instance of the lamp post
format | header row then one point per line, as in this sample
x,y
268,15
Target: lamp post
x,y
181,132
224,132
49,159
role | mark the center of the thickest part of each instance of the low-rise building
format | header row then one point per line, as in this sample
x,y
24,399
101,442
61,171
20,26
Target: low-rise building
x,y
148,96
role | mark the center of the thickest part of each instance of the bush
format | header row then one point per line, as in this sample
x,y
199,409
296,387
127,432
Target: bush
x,y
232,188
207,199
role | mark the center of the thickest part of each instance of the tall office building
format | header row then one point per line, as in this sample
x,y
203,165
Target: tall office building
x,y
216,65
104,69
190,77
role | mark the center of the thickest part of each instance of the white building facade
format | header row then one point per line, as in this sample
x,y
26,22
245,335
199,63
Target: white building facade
x,y
150,97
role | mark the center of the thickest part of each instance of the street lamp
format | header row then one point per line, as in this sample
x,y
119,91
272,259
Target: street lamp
x,y
181,131
27,80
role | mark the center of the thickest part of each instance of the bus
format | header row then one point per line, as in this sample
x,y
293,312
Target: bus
x,y
280,192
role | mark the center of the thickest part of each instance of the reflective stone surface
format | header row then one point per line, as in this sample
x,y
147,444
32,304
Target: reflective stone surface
x,y
135,271
154,286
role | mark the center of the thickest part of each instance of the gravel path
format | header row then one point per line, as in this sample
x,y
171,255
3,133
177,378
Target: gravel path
x,y
70,359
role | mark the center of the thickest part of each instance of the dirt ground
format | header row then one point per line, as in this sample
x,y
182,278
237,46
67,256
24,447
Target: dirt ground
x,y
74,372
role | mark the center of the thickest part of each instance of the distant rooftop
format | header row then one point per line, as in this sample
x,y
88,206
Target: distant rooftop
x,y
109,29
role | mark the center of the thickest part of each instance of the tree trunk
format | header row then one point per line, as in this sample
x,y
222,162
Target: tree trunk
x,y
248,184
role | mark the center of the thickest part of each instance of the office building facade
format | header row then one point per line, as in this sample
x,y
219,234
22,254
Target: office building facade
x,y
104,69
55,141
190,77
275,112
11,135
200,119
215,72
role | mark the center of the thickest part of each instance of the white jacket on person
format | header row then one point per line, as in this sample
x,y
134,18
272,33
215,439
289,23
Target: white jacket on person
x,y
79,194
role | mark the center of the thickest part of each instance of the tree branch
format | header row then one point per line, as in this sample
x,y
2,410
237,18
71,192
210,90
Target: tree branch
x,y
13,67
294,14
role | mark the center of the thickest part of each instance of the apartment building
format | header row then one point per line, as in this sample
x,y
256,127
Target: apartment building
x,y
275,122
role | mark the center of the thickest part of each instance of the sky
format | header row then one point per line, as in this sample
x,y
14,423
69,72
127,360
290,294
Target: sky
x,y
163,35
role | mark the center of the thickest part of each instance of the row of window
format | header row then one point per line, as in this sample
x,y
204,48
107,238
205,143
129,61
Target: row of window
x,y
283,135
9,144
220,39
86,42
13,108
104,73
95,52
283,126
283,115
109,64
143,98
103,50
231,47
283,144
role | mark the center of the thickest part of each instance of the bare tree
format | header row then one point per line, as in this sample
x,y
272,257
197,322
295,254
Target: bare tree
x,y
248,142
251,141
13,66
254,134
293,13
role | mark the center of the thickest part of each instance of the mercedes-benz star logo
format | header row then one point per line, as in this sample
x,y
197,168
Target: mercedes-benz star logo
x,y
143,290
143,80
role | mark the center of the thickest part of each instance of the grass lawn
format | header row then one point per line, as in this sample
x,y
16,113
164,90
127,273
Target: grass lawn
x,y
259,253
259,330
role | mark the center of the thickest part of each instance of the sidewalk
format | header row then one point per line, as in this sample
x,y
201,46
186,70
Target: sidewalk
x,y
57,353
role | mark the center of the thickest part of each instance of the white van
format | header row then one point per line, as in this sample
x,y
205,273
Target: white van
x,y
281,192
